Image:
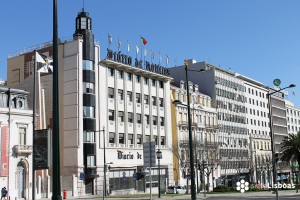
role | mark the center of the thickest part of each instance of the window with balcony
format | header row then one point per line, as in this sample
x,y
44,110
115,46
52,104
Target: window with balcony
x,y
22,135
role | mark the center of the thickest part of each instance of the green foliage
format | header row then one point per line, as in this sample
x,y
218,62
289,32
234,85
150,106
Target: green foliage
x,y
221,188
254,188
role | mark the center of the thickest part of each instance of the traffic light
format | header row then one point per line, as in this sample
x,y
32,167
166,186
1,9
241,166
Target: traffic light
x,y
276,157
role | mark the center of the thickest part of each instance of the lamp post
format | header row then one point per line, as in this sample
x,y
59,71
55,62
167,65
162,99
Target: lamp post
x,y
272,134
104,163
159,156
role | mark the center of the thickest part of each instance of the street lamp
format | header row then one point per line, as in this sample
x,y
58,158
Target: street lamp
x,y
272,134
104,163
158,156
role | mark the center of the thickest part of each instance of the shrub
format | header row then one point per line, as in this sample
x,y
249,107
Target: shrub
x,y
221,188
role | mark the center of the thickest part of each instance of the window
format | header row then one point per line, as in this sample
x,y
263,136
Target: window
x,y
146,99
22,136
111,115
129,76
161,102
146,80
130,117
83,23
120,95
139,139
138,118
146,119
162,140
87,88
138,97
155,139
154,101
147,138
111,138
121,116
88,111
162,121
161,84
88,136
87,65
130,138
111,92
154,120
138,78
121,138
120,74
129,96
91,160
110,71
153,82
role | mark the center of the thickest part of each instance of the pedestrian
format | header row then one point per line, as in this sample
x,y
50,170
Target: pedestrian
x,y
3,193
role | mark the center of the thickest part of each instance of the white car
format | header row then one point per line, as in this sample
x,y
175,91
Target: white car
x,y
176,190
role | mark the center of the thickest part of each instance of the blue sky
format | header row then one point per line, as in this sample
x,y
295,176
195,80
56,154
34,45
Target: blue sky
x,y
257,38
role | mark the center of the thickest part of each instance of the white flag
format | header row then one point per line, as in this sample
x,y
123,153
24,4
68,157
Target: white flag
x,y
119,43
109,39
137,49
167,59
128,46
44,64
145,52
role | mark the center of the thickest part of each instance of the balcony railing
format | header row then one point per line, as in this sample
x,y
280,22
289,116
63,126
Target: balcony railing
x,y
22,150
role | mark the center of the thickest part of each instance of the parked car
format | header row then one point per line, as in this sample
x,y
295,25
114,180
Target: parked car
x,y
173,189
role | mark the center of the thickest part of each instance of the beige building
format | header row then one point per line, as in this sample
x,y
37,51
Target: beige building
x,y
204,130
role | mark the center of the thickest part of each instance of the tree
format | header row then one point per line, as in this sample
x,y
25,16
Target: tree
x,y
291,149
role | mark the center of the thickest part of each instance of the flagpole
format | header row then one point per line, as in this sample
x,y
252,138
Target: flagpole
x,y
56,191
33,124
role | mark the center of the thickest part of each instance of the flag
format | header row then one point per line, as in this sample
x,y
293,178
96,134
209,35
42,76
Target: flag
x,y
109,39
145,52
128,46
167,59
159,57
119,43
137,49
143,40
44,64
152,55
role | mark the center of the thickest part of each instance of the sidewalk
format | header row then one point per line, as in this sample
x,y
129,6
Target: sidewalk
x,y
199,196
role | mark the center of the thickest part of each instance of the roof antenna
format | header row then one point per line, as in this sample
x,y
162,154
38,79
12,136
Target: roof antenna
x,y
83,6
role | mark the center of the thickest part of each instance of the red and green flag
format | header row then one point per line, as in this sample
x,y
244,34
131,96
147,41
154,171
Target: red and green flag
x,y
143,40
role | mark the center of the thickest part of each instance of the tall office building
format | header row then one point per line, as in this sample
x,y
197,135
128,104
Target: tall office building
x,y
108,108
228,96
293,117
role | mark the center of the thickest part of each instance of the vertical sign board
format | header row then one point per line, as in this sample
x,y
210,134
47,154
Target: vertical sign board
x,y
149,154
4,151
41,149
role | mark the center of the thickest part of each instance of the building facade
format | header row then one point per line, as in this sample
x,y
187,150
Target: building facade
x,y
293,117
108,109
228,96
16,142
204,130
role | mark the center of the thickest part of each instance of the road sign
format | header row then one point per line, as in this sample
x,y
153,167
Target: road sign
x,y
277,82
82,176
149,154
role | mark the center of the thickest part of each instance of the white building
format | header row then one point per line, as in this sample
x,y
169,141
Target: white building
x,y
15,143
124,102
293,117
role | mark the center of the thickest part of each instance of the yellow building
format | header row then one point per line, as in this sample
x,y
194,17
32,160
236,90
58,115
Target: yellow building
x,y
204,130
